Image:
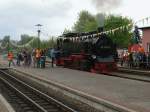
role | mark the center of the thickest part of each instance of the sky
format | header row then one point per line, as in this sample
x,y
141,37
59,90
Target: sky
x,y
20,16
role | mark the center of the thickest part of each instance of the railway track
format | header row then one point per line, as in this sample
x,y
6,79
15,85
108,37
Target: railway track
x,y
137,75
25,98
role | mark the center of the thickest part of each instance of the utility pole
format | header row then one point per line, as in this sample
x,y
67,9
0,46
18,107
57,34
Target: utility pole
x,y
39,32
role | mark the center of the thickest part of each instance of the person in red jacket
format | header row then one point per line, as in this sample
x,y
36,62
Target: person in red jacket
x,y
10,58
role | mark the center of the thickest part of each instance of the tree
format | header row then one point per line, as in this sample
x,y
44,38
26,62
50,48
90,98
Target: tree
x,y
66,31
115,21
25,39
121,37
91,26
52,42
5,40
85,22
35,42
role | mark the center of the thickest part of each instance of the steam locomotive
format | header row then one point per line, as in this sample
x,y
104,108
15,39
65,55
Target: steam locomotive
x,y
87,51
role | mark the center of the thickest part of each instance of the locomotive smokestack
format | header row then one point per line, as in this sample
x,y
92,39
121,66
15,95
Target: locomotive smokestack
x,y
100,18
100,29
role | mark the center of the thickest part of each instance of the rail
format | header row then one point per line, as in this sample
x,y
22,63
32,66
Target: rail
x,y
29,97
138,75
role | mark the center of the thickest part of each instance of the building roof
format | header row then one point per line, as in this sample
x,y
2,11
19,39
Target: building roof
x,y
143,28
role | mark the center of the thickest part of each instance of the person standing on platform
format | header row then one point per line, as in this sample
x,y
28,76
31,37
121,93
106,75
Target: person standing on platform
x,y
38,56
43,58
29,59
148,61
19,58
25,58
10,58
122,59
34,57
131,60
45,51
52,52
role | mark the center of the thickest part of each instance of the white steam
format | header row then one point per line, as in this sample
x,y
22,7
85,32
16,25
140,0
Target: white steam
x,y
105,5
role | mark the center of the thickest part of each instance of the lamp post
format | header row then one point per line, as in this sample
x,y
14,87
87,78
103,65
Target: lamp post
x,y
39,32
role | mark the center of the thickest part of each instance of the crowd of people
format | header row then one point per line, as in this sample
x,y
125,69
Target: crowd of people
x,y
38,58
135,60
35,58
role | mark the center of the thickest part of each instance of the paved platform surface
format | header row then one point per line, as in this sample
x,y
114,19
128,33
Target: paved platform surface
x,y
125,92
128,93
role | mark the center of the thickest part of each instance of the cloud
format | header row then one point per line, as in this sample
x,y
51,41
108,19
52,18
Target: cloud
x,y
105,5
20,16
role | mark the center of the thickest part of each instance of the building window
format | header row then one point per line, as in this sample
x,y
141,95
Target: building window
x,y
148,47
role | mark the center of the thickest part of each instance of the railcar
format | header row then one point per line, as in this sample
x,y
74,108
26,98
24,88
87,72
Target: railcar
x,y
87,51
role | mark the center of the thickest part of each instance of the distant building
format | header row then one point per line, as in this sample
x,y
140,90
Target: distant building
x,y
146,38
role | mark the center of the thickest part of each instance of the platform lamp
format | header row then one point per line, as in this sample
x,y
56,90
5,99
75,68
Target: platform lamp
x,y
39,32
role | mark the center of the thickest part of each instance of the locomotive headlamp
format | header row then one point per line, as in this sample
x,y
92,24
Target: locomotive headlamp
x,y
94,56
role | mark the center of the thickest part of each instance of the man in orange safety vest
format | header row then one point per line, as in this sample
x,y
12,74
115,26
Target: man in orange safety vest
x,y
38,56
10,58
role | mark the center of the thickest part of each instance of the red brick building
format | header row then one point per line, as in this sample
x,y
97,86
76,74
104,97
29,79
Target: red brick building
x,y
146,38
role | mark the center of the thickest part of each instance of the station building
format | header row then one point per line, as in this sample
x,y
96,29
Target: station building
x,y
146,38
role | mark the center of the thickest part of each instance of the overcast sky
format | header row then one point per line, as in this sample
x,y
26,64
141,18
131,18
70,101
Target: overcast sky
x,y
20,16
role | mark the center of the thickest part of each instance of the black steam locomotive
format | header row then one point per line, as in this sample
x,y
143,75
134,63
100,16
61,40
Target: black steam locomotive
x,y
87,51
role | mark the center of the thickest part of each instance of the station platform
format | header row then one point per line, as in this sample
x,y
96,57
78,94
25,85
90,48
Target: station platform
x,y
131,94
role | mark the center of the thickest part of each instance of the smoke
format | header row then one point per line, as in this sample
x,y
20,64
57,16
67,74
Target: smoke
x,y
105,5
100,18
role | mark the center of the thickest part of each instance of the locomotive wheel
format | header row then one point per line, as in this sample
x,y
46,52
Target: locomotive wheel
x,y
67,63
76,65
85,65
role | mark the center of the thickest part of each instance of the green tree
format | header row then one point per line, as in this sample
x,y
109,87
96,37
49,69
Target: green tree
x,y
35,42
121,37
86,22
66,31
91,26
25,39
5,40
52,42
